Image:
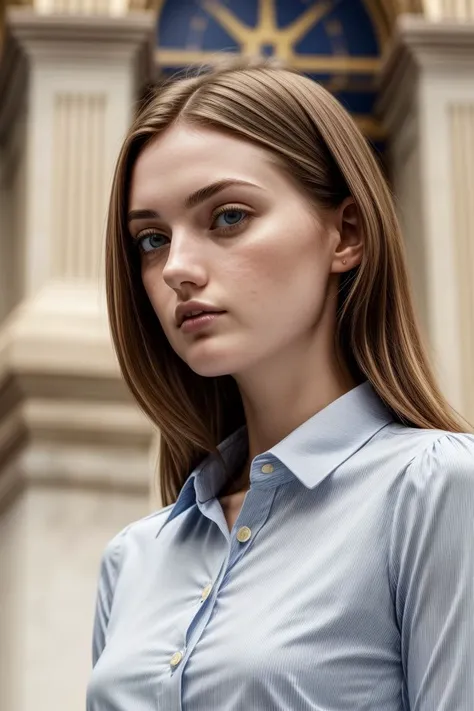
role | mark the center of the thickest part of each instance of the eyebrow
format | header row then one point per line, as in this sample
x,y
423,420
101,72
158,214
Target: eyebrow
x,y
195,198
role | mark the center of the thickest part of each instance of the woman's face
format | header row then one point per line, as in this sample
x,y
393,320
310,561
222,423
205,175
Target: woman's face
x,y
248,245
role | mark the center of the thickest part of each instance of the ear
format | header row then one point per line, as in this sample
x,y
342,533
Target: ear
x,y
351,243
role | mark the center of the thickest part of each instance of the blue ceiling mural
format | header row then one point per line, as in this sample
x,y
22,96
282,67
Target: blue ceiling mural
x,y
337,42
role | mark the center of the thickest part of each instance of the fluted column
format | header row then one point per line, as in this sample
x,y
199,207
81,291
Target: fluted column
x,y
427,104
78,183
75,462
69,84
461,138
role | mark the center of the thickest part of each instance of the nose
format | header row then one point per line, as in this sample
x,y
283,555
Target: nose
x,y
185,263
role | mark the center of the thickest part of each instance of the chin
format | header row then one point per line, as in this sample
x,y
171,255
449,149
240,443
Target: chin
x,y
210,369
212,362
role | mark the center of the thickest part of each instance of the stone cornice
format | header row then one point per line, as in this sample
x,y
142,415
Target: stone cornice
x,y
420,46
432,43
97,33
81,38
60,382
39,421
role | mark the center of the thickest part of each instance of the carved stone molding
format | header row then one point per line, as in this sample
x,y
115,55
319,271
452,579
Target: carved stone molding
x,y
66,418
426,100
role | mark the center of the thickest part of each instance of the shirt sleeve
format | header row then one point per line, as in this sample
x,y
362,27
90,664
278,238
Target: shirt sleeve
x,y
109,570
432,573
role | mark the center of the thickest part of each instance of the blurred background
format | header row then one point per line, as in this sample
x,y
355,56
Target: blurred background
x,y
76,455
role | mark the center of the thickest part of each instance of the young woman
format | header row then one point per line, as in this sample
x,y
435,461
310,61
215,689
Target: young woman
x,y
315,549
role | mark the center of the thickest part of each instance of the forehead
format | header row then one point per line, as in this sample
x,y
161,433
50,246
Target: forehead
x,y
185,158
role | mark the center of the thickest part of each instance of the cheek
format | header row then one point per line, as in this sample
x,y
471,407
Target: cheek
x,y
291,261
287,294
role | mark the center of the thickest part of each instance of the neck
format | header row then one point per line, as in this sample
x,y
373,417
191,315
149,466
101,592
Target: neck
x,y
284,396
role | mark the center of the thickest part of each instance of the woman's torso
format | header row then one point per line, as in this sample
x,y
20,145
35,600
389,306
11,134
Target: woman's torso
x,y
300,616
317,599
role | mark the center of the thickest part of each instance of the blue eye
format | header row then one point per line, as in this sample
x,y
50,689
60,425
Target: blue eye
x,y
150,242
232,217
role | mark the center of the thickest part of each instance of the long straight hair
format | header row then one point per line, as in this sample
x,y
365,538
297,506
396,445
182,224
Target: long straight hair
x,y
314,139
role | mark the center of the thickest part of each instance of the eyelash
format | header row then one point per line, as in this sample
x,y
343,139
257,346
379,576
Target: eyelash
x,y
150,232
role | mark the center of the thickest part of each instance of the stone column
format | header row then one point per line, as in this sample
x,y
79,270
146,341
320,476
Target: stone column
x,y
74,450
449,9
427,103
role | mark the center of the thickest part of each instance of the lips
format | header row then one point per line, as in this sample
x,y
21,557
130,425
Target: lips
x,y
193,309
202,322
195,316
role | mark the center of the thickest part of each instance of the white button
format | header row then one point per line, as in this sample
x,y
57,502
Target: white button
x,y
205,592
243,534
176,658
267,468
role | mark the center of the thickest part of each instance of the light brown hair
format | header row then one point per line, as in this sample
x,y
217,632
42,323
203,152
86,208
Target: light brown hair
x,y
312,137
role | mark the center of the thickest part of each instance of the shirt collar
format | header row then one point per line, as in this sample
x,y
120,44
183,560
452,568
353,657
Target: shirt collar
x,y
311,452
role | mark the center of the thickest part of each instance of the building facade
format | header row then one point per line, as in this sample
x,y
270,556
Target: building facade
x,y
76,456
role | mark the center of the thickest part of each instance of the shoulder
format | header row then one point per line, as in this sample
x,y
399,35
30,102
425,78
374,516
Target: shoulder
x,y
441,457
143,529
433,464
418,454
435,500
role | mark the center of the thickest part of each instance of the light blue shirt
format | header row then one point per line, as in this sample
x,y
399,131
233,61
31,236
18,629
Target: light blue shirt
x,y
346,584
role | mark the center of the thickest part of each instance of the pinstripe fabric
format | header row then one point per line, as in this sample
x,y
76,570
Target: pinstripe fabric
x,y
355,590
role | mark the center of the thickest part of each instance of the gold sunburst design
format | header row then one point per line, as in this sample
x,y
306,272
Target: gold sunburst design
x,y
252,39
266,31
